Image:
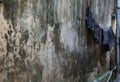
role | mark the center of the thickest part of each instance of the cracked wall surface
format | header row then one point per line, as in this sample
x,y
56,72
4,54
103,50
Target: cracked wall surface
x,y
47,41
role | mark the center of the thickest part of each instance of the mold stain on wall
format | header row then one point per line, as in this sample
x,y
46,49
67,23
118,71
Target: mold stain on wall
x,y
47,41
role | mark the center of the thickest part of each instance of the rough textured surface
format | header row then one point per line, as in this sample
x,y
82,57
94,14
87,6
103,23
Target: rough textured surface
x,y
47,41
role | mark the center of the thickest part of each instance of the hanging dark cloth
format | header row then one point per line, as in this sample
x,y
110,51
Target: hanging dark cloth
x,y
89,19
105,44
103,37
93,26
98,34
108,40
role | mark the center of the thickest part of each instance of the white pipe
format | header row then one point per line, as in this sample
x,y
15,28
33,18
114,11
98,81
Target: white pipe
x,y
118,3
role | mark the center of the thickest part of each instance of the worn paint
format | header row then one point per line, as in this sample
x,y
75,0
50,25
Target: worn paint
x,y
47,41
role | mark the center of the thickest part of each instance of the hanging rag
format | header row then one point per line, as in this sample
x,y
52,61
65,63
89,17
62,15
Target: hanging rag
x,y
103,37
105,44
93,26
89,19
98,34
108,39
105,48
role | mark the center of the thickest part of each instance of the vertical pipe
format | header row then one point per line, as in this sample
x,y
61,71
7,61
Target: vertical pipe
x,y
117,37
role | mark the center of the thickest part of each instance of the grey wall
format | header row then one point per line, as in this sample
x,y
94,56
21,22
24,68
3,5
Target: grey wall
x,y
47,41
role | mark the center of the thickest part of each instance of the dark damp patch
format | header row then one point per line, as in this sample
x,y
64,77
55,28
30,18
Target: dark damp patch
x,y
22,53
21,63
24,37
16,61
56,39
39,71
23,41
6,36
90,36
10,45
10,40
77,66
10,76
50,13
10,8
44,38
9,32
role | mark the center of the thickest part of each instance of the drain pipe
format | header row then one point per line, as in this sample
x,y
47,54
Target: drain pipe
x,y
117,36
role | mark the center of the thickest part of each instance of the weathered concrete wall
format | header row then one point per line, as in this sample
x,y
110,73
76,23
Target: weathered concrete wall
x,y
47,41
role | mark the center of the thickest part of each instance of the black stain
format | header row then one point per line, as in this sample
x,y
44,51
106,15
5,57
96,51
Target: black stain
x,y
24,37
44,38
56,39
50,13
76,65
6,36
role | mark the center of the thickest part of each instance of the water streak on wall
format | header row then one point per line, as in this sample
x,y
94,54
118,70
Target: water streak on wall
x,y
47,41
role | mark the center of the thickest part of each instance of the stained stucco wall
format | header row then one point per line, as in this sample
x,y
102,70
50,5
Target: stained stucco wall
x,y
47,41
